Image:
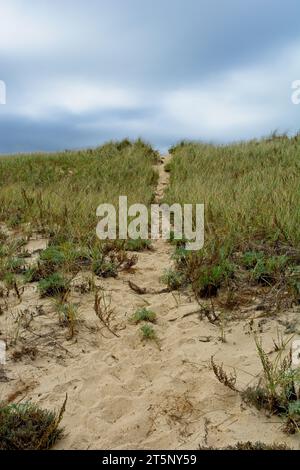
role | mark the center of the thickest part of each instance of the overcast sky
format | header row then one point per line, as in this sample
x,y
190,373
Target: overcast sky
x,y
81,72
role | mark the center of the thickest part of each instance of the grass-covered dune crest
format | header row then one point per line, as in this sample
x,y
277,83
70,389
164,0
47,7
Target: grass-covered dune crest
x,y
251,193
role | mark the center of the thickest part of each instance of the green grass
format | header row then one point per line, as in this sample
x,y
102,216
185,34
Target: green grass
x,y
53,285
264,269
251,193
25,426
276,389
173,279
249,446
58,194
143,314
137,245
148,333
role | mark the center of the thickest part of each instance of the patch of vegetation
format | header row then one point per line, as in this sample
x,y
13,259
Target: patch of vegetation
x,y
58,194
144,314
15,265
148,333
294,281
9,280
68,316
137,245
264,269
252,199
104,268
275,391
26,426
250,446
173,279
53,285
53,256
168,167
35,273
211,277
177,242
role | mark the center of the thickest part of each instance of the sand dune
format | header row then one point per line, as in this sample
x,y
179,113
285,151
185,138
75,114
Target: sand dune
x,y
124,393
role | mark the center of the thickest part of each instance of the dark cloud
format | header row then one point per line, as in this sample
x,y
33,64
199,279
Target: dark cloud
x,y
151,49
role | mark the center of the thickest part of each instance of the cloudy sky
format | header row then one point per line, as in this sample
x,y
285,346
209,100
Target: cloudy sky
x,y
81,72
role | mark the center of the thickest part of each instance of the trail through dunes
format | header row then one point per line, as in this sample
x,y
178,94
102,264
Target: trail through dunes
x,y
126,393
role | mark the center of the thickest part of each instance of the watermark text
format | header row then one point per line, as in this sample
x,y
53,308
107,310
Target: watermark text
x,y
161,222
296,93
2,92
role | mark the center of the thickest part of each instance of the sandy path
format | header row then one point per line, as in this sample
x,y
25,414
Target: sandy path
x,y
127,394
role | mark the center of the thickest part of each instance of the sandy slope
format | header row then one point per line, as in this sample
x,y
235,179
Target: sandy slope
x,y
124,393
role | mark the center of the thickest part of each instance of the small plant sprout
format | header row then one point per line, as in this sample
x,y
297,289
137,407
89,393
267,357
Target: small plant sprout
x,y
148,333
68,316
105,312
143,314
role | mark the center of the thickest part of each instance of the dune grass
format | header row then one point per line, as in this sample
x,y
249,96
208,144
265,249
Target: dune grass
x,y
251,193
58,194
26,426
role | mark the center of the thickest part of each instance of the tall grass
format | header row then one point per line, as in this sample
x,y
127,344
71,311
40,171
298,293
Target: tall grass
x,y
59,193
251,193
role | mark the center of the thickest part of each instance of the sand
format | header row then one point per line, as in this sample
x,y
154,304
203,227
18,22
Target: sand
x,y
125,393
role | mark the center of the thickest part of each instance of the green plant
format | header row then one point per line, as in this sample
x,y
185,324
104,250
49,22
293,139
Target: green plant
x,y
143,314
264,269
53,285
15,265
181,242
245,210
53,256
294,282
33,274
105,268
168,167
9,280
137,245
68,316
58,194
25,426
173,279
210,278
250,446
276,390
148,332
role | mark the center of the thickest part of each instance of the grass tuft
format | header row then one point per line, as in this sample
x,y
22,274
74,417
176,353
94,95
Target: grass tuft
x,y
143,314
26,426
148,333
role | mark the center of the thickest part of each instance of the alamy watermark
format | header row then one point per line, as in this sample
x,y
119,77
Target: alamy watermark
x,y
296,93
2,92
296,353
137,222
2,352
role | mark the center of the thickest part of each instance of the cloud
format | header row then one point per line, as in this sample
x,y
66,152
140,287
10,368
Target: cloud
x,y
26,29
163,70
244,102
74,96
